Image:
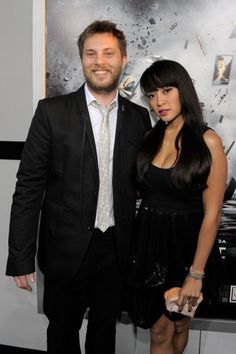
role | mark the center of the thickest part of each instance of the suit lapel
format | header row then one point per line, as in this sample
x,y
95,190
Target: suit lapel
x,y
117,156
120,114
84,114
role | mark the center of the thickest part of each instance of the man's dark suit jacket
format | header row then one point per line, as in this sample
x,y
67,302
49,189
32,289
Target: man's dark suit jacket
x,y
58,175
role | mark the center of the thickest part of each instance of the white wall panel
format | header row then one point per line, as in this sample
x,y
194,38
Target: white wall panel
x,y
20,324
142,341
218,343
193,342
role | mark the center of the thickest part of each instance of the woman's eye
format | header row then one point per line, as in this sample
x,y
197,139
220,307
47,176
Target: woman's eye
x,y
149,95
167,89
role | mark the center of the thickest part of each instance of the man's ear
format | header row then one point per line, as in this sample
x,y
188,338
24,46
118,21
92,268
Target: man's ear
x,y
124,61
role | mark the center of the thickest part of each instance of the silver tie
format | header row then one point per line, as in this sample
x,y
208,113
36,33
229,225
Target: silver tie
x,y
104,155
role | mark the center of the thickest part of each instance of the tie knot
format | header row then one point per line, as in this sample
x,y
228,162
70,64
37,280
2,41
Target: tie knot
x,y
103,109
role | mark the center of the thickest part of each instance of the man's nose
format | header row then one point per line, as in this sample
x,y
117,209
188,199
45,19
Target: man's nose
x,y
100,58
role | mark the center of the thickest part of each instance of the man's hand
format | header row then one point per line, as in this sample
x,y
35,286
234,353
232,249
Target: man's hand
x,y
23,281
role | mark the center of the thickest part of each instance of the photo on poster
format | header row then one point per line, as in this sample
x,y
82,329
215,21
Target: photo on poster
x,y
232,297
222,69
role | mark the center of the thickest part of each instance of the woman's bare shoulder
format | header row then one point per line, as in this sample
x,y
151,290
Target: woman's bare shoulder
x,y
212,139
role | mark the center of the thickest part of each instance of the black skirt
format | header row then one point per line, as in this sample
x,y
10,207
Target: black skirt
x,y
163,249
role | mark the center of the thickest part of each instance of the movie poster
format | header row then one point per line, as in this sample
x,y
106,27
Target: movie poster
x,y
201,35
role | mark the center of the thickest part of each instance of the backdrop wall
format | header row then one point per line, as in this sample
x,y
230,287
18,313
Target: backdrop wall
x,y
201,35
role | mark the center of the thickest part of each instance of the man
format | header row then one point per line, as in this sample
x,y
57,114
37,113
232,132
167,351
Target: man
x,y
63,174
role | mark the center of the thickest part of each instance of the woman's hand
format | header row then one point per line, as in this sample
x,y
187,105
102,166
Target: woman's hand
x,y
189,293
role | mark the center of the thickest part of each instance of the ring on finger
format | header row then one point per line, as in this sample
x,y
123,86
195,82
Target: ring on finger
x,y
194,301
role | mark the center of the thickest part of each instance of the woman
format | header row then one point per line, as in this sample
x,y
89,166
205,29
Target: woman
x,y
182,172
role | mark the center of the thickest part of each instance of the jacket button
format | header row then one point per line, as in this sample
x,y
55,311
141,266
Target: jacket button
x,y
90,228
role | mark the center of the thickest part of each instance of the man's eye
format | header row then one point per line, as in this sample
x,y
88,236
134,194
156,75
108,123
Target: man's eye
x,y
109,54
90,54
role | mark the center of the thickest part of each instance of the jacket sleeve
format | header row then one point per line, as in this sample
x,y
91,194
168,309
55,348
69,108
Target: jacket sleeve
x,y
28,195
148,124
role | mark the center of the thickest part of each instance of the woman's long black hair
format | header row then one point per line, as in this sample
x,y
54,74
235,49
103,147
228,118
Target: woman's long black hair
x,y
194,159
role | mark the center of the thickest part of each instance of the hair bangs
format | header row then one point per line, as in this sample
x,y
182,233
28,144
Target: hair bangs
x,y
153,79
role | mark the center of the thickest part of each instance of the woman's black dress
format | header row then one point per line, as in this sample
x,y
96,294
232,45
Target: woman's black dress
x,y
166,234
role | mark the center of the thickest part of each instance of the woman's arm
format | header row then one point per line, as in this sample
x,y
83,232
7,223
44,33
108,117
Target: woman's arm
x,y
212,203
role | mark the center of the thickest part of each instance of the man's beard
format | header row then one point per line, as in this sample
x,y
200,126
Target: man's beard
x,y
103,88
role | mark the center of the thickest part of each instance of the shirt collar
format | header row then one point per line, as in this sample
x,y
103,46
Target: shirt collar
x,y
90,98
